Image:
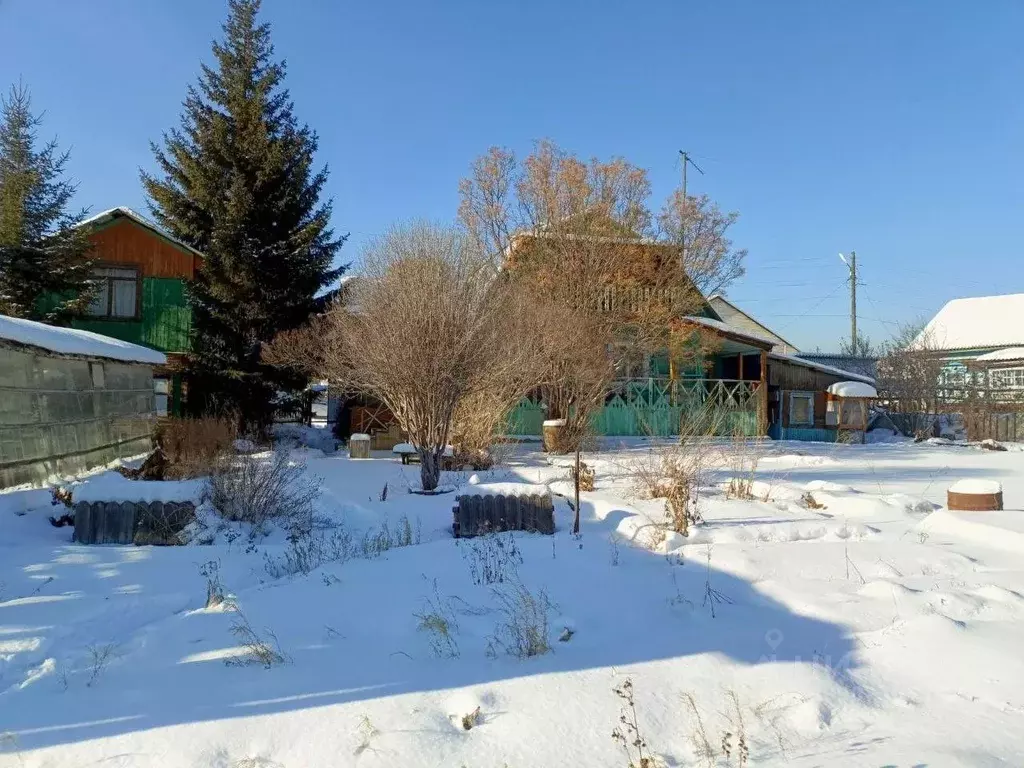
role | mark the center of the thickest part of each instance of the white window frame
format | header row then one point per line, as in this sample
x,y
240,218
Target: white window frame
x,y
809,396
1007,378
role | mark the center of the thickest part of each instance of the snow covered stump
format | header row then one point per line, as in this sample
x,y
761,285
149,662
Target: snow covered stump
x,y
492,507
359,446
975,496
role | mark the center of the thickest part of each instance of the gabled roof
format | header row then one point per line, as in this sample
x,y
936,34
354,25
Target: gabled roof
x,y
717,301
123,212
976,323
728,331
71,341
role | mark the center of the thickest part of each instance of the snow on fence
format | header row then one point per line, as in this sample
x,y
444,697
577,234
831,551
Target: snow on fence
x,y
489,508
129,522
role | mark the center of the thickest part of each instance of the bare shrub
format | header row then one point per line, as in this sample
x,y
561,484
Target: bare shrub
x,y
743,457
264,650
193,446
679,473
258,490
523,629
627,733
437,618
434,326
493,558
910,369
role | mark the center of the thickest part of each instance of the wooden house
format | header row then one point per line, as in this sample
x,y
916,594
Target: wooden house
x,y
142,272
979,341
735,317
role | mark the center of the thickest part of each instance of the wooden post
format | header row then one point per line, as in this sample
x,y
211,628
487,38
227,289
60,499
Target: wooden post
x,y
740,367
762,402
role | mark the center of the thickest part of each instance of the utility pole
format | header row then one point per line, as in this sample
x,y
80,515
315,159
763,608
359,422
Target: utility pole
x,y
852,265
686,161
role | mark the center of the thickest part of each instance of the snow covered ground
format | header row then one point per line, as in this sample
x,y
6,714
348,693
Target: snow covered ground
x,y
841,614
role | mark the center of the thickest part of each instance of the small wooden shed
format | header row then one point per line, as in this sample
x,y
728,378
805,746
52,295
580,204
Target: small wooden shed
x,y
70,400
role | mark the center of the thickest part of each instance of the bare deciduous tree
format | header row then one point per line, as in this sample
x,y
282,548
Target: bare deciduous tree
x,y
909,372
612,281
429,327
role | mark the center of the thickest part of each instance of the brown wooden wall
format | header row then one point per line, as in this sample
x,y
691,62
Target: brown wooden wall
x,y
125,242
796,377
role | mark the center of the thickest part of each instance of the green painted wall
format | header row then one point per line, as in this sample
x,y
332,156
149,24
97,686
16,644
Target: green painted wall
x,y
166,318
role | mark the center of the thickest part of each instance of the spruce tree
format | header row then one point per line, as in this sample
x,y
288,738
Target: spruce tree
x,y
45,268
237,183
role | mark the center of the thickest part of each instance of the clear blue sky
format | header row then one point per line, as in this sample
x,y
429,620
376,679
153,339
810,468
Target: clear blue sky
x,y
894,128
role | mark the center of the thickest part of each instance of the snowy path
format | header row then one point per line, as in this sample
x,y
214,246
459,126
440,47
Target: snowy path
x,y
867,630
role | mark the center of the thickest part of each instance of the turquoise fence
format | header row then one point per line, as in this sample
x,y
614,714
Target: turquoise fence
x,y
804,434
657,407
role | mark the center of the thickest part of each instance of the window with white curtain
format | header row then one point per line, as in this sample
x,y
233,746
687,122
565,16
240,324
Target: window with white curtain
x,y
117,292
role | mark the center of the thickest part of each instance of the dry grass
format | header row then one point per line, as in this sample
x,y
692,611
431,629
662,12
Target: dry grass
x,y
438,620
523,630
586,476
265,651
193,446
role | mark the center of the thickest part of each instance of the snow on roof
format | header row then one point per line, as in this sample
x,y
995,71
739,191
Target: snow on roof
x,y
718,325
123,211
1010,353
71,341
982,321
796,360
852,389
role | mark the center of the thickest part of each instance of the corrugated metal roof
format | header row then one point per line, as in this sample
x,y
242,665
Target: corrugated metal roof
x,y
866,366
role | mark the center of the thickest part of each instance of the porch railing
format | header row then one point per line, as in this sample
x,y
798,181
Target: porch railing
x,y
657,407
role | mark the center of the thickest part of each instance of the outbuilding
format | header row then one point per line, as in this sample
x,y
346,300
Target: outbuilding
x,y
71,400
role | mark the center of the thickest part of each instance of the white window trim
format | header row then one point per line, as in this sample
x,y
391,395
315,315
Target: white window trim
x,y
1002,374
809,396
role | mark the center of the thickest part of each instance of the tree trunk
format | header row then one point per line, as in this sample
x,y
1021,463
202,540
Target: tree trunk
x,y
430,468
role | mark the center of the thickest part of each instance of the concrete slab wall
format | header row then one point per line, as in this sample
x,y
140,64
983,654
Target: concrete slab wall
x,y
65,415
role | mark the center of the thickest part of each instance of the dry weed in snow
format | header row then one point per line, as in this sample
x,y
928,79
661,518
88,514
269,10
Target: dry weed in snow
x,y
258,650
438,620
523,629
